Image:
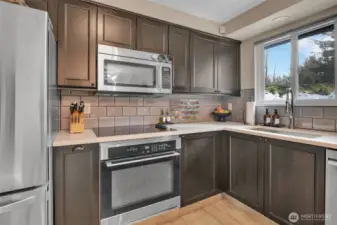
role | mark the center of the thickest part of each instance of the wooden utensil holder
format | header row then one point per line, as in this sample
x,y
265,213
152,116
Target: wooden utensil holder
x,y
76,122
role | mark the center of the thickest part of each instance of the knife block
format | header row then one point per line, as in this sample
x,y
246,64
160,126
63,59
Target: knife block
x,y
76,122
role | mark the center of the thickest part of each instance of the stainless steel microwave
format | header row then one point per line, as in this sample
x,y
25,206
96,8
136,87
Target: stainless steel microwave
x,y
123,70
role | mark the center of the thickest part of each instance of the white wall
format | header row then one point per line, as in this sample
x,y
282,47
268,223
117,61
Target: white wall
x,y
151,9
247,46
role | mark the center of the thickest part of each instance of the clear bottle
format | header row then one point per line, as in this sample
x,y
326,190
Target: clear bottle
x,y
267,118
162,118
168,117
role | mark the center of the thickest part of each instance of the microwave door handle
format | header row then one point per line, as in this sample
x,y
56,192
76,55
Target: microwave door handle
x,y
110,164
11,206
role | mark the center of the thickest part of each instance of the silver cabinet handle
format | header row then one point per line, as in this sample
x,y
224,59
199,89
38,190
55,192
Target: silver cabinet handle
x,y
110,164
78,148
332,163
11,206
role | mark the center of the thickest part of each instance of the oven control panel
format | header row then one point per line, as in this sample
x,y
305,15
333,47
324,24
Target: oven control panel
x,y
142,149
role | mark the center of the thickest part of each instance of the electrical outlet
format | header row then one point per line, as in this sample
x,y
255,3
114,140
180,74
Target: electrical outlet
x,y
230,106
87,108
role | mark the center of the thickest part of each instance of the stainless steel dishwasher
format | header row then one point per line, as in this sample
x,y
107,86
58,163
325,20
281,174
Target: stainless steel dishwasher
x,y
331,187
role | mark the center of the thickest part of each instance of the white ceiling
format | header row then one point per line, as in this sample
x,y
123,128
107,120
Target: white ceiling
x,y
216,10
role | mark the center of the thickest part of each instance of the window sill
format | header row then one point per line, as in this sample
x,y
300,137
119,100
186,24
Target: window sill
x,y
301,103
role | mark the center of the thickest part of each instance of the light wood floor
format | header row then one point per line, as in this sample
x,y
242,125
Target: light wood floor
x,y
217,210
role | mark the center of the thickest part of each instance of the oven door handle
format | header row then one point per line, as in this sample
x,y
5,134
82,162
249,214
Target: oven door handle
x,y
110,164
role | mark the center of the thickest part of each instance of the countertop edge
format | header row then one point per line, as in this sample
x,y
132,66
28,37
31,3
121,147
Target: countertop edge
x,y
88,137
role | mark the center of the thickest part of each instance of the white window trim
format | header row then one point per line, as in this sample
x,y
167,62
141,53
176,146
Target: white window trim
x,y
259,68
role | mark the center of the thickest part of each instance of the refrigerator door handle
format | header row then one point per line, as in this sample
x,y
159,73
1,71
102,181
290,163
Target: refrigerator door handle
x,y
11,206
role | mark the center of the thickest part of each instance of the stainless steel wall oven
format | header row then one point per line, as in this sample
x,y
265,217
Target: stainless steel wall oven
x,y
139,178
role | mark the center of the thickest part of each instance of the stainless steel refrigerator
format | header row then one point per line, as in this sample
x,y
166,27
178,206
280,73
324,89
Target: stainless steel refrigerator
x,y
28,113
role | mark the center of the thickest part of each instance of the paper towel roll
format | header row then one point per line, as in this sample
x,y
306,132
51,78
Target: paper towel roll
x,y
250,113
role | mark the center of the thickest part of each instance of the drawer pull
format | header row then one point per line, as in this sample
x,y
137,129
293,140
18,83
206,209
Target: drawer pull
x,y
78,148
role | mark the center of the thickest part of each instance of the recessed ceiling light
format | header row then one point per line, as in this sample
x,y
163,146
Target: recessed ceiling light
x,y
280,18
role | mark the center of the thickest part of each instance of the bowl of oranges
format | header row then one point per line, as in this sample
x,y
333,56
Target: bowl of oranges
x,y
221,114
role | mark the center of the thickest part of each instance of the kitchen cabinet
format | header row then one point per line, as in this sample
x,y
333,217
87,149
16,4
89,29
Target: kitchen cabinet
x,y
246,156
198,176
152,36
228,62
203,68
116,28
222,162
277,177
77,44
76,185
214,65
179,41
37,4
46,5
295,181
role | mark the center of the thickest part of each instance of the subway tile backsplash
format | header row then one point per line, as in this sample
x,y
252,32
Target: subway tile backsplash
x,y
109,111
314,118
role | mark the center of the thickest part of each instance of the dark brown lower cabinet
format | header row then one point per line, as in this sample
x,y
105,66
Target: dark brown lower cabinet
x,y
222,162
277,177
246,156
198,170
294,181
76,185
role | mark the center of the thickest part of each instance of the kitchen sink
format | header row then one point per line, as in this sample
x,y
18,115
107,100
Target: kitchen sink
x,y
290,133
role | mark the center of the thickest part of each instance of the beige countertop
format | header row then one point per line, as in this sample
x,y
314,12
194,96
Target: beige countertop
x,y
326,139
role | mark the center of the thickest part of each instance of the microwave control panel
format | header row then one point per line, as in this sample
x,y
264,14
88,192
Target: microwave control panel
x,y
166,78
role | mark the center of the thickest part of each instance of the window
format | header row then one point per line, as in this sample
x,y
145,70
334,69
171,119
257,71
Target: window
x,y
316,72
303,60
277,61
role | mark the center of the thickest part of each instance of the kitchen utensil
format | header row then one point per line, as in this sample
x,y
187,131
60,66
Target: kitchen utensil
x,y
76,117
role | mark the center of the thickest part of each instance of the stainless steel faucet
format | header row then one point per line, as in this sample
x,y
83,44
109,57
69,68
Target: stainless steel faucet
x,y
290,107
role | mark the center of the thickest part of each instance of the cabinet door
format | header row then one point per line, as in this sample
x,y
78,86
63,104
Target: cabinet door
x,y
228,61
46,5
202,64
198,167
52,7
116,28
76,185
294,181
37,4
222,162
77,44
246,157
152,36
179,45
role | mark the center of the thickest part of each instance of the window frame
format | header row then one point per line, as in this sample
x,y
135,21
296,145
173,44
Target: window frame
x,y
292,36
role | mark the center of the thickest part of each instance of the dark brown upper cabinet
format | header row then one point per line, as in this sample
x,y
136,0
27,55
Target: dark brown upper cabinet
x,y
228,62
179,45
46,5
246,157
77,44
116,28
203,64
152,36
37,4
198,167
295,181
